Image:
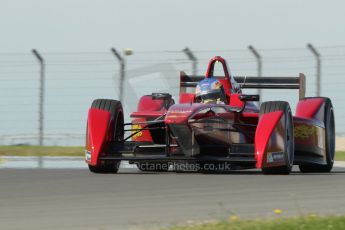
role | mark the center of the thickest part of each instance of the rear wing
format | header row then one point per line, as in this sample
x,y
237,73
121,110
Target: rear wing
x,y
245,82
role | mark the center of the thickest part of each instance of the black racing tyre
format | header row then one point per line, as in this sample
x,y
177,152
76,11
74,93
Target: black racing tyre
x,y
272,106
116,131
153,166
330,143
109,167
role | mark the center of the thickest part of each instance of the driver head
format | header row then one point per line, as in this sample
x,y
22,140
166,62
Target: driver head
x,y
210,91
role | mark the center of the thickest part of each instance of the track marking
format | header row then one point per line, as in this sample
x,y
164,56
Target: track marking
x,y
340,164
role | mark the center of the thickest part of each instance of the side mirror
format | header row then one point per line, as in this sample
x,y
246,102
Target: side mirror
x,y
160,96
236,102
248,97
166,97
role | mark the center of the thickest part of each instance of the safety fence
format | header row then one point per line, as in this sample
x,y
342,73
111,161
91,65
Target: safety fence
x,y
73,79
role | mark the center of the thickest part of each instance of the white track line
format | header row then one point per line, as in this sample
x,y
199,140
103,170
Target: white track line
x,y
340,164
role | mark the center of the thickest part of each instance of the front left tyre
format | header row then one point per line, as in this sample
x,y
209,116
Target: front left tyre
x,y
115,133
329,140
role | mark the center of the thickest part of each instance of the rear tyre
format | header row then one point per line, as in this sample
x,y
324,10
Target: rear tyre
x,y
329,140
115,133
272,106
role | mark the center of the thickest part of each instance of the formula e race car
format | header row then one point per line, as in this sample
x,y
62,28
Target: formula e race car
x,y
217,130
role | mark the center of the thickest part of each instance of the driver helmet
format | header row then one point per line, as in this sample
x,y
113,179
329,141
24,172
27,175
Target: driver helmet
x,y
210,91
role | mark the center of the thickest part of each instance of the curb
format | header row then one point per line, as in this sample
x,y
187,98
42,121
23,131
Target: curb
x,y
340,164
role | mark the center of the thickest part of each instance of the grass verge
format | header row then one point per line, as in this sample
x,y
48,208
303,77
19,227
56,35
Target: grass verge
x,y
305,223
340,156
41,151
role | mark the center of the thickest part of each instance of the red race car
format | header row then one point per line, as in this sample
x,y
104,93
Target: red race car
x,y
214,127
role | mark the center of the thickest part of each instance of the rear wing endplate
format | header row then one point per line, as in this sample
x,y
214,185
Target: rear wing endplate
x,y
245,82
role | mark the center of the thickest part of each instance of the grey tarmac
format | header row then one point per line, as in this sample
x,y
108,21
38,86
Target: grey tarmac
x,y
78,199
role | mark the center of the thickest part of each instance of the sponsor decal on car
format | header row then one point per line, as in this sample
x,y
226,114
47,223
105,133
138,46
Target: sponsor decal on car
x,y
135,129
275,157
304,131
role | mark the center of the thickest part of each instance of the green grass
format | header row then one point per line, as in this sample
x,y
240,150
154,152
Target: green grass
x,y
305,223
41,151
340,156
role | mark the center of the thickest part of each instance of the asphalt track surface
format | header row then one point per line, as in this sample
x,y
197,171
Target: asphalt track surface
x,y
77,199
